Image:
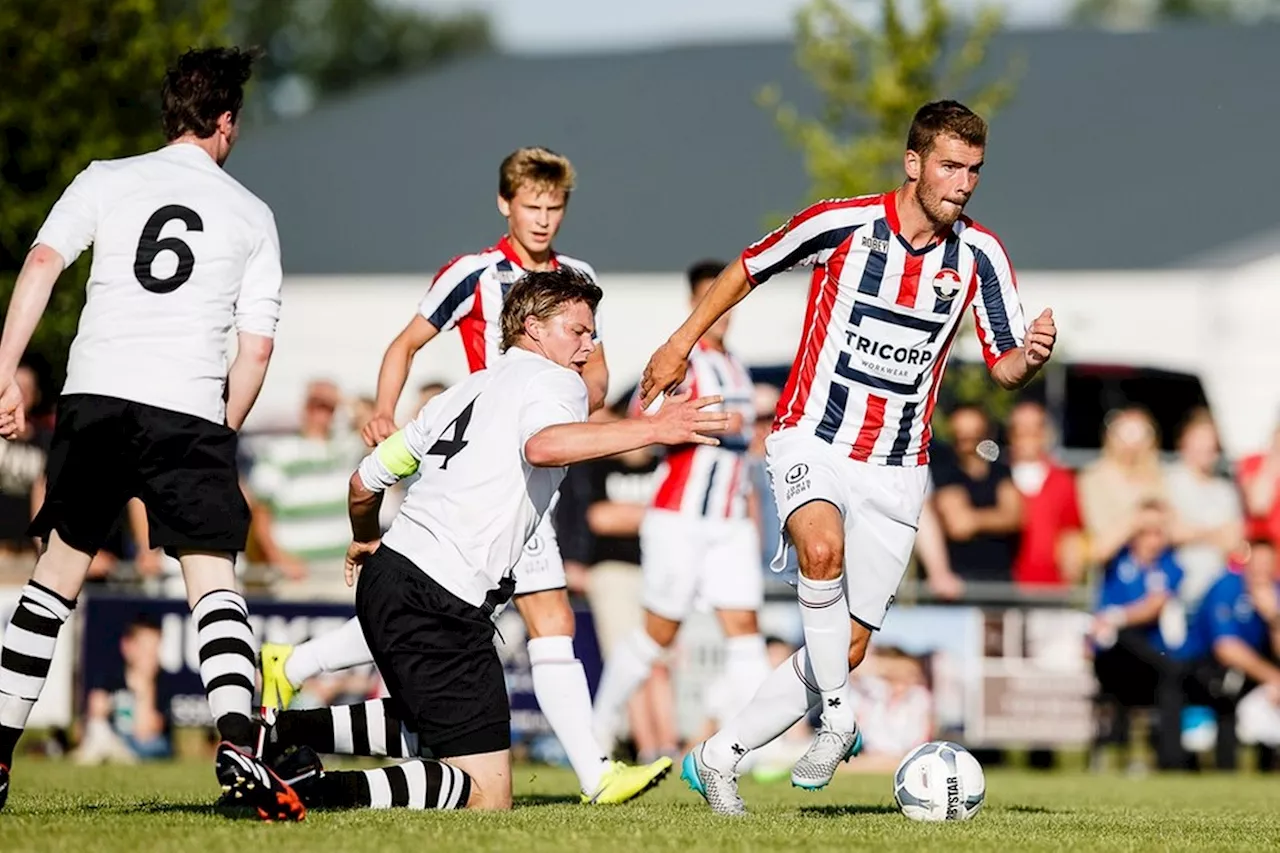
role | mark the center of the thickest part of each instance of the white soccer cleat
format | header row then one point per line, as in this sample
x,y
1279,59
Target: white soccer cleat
x,y
720,790
818,765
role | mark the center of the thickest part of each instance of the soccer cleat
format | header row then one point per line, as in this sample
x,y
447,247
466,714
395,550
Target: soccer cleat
x,y
4,785
623,783
300,768
816,767
246,781
720,790
277,692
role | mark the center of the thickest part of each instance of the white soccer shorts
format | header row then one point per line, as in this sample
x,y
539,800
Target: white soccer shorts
x,y
686,558
881,508
540,566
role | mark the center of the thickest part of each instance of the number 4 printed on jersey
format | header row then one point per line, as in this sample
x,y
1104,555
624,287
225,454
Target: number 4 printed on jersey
x,y
451,447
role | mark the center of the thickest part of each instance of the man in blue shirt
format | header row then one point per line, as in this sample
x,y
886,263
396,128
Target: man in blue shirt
x,y
1131,656
1232,646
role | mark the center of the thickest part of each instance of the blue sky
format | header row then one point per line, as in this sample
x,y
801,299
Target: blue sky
x,y
535,26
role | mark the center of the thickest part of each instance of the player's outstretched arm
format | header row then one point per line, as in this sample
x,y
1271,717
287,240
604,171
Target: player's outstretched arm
x,y
392,375
1017,367
31,292
681,420
667,366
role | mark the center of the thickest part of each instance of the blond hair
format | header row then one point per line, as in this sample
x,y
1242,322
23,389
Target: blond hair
x,y
542,295
536,167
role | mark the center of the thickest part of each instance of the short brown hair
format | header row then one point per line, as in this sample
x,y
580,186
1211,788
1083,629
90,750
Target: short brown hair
x,y
542,295
201,86
945,117
537,167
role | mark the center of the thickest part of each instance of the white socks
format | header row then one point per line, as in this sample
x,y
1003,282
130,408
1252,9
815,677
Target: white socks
x,y
339,649
746,666
783,699
827,634
625,670
560,685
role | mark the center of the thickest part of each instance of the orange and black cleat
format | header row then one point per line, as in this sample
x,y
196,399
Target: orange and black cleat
x,y
247,781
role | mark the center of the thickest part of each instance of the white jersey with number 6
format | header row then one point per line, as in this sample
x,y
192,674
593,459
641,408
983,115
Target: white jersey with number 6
x,y
477,501
182,253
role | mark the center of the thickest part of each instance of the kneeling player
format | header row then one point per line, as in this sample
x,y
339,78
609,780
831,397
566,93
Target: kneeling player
x,y
492,452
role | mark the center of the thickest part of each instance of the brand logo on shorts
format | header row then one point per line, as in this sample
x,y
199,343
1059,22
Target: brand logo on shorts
x,y
535,546
797,473
946,283
889,604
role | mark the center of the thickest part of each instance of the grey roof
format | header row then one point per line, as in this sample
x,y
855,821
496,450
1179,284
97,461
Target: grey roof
x,y
1132,150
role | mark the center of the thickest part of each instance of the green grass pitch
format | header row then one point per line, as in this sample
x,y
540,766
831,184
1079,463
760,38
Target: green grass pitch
x,y
57,806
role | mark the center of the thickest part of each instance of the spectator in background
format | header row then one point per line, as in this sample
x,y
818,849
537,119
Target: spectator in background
x,y
1208,520
22,463
1049,551
299,489
1231,649
894,705
126,717
602,504
1123,478
977,503
1259,477
1131,653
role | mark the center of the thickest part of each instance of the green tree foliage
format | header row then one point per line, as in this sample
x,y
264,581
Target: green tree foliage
x,y
321,47
80,81
872,78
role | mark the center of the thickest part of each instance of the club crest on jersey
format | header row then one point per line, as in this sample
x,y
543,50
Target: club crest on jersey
x,y
534,546
875,244
796,473
946,283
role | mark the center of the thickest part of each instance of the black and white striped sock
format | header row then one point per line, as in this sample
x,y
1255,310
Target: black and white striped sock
x,y
371,728
29,641
227,666
419,784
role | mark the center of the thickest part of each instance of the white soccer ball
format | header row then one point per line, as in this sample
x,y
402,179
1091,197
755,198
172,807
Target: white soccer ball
x,y
939,781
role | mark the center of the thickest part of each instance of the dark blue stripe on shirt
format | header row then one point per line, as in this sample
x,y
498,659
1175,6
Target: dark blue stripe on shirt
x,y
444,313
993,300
873,272
834,415
899,450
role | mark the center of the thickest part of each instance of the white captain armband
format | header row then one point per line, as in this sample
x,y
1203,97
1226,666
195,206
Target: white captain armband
x,y
388,464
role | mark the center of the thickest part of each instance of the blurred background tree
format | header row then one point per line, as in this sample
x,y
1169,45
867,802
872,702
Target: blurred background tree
x,y
874,64
81,82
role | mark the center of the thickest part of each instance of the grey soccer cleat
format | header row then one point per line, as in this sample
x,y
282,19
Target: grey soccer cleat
x,y
720,790
816,767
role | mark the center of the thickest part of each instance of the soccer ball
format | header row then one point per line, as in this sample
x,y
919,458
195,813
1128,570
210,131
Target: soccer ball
x,y
939,781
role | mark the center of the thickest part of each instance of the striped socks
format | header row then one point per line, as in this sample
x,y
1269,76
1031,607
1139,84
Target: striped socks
x,y
29,641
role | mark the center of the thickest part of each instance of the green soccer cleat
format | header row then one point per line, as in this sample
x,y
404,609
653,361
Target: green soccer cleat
x,y
622,783
277,692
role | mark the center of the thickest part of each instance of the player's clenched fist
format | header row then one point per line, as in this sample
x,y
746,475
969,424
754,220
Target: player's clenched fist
x,y
357,553
377,430
12,411
665,370
1040,338
682,420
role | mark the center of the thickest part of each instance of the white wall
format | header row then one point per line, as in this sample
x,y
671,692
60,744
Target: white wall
x,y
1221,324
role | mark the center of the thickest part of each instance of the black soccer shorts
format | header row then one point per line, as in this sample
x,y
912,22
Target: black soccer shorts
x,y
107,450
436,654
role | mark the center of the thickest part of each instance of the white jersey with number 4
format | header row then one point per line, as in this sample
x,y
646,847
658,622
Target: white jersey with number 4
x,y
466,519
182,254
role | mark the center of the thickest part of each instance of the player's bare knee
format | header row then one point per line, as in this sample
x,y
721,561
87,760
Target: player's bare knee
x,y
490,794
739,623
821,557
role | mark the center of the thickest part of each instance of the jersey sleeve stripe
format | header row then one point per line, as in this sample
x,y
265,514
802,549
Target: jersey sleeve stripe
x,y
773,262
993,306
453,305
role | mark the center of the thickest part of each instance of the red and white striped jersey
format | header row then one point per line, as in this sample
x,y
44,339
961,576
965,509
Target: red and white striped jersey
x,y
704,480
880,321
468,292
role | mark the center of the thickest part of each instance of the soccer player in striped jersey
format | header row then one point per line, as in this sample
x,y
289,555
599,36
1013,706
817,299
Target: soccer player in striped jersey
x,y
893,276
698,541
534,185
